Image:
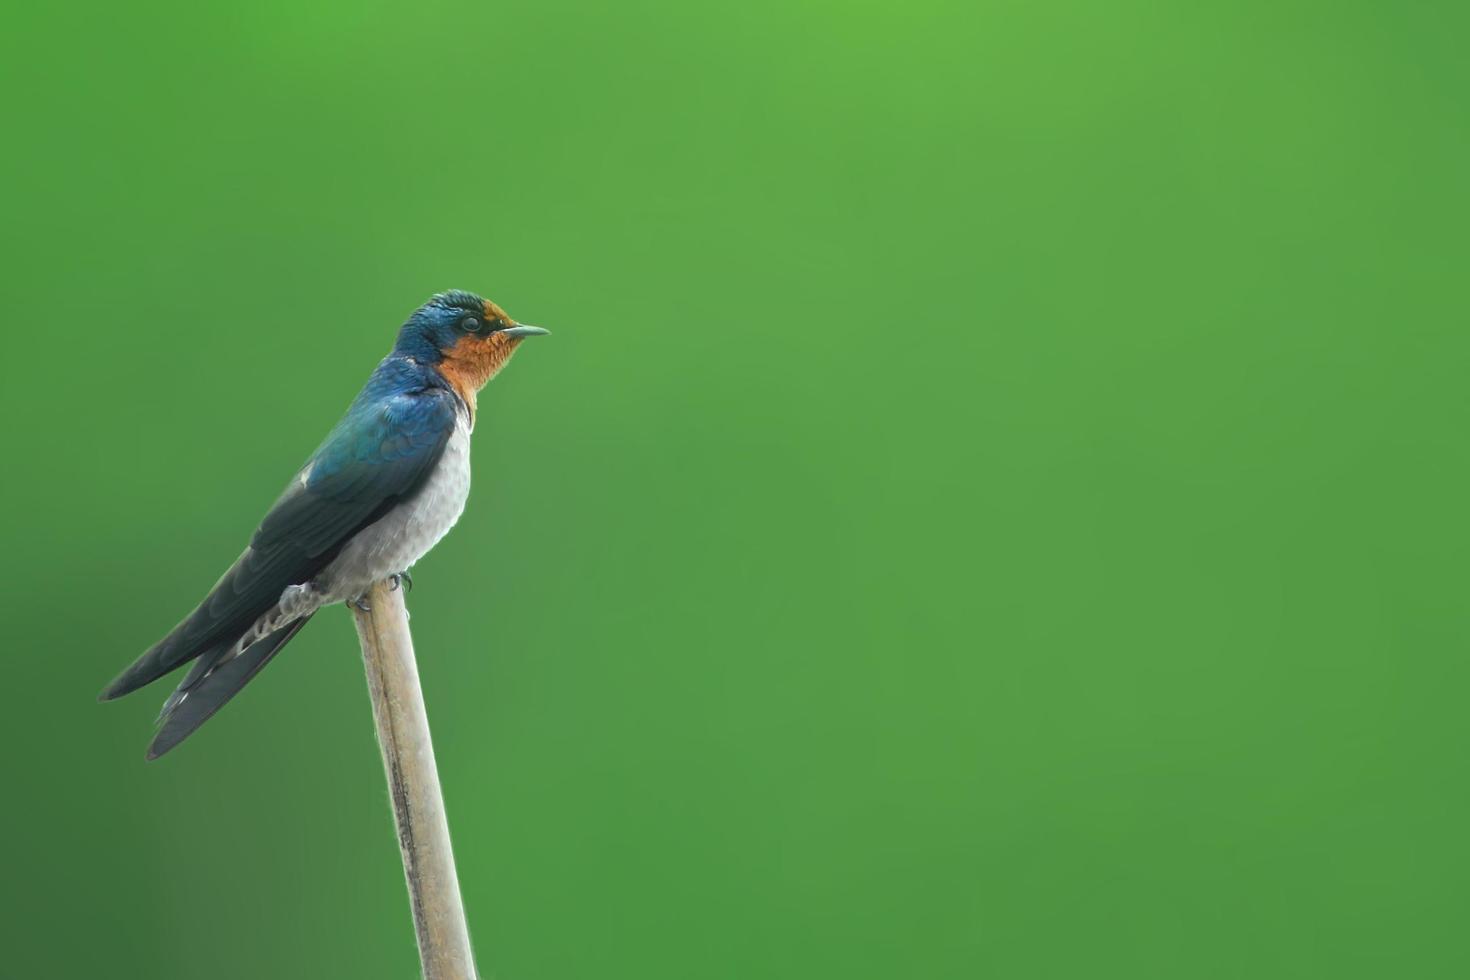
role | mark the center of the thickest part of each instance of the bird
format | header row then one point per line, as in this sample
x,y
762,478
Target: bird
x,y
387,484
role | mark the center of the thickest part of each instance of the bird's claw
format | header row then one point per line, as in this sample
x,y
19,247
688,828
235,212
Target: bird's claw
x,y
402,579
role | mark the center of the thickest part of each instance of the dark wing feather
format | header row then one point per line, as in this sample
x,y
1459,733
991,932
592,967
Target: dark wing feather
x,y
377,456
365,467
199,697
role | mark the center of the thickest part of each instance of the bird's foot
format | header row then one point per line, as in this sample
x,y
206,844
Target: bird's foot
x,y
360,603
402,578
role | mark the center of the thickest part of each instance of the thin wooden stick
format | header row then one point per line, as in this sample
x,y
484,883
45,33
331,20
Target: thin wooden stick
x,y
413,784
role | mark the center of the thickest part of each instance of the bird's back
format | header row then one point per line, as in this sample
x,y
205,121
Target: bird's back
x,y
382,453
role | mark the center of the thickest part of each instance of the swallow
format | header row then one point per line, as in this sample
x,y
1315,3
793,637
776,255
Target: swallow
x,y
387,485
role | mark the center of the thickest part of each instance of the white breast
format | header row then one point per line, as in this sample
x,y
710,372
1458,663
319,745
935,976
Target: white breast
x,y
406,533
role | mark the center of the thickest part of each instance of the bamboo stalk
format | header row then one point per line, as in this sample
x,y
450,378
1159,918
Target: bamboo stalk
x,y
413,784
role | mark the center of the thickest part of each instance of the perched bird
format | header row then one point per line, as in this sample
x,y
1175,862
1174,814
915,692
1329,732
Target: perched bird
x,y
387,484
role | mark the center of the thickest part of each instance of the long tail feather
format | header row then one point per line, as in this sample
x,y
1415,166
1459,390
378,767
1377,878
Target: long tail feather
x,y
250,588
167,655
211,684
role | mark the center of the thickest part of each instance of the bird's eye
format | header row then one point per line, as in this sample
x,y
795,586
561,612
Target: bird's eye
x,y
470,323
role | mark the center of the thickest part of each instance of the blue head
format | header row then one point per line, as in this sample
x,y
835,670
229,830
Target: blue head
x,y
466,338
437,327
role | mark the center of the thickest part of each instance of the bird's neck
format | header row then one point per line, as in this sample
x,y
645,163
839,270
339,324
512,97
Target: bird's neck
x,y
471,363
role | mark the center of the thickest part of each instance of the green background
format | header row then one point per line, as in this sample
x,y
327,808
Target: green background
x,y
992,505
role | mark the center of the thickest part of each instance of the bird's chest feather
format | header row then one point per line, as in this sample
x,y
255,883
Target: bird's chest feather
x,y
430,514
406,533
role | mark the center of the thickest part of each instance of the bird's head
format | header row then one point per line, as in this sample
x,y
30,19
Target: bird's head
x,y
466,338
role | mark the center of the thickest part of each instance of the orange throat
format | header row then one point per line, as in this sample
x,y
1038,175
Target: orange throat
x,y
473,362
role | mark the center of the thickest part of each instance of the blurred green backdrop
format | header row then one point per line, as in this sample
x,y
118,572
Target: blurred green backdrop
x,y
991,506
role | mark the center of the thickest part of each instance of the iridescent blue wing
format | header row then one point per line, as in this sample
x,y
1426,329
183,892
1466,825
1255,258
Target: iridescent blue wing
x,y
379,455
